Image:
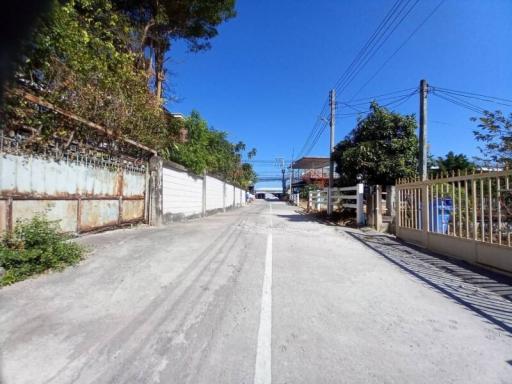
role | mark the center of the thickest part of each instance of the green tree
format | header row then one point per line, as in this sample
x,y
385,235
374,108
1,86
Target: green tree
x,y
251,154
209,150
380,149
495,132
162,21
78,58
452,163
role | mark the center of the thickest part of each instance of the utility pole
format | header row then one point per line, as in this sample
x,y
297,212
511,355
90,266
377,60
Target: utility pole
x,y
280,163
423,131
332,102
291,172
284,180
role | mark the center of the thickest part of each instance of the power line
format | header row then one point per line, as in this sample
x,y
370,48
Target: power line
x,y
367,60
399,47
314,130
370,98
365,48
379,99
317,137
476,96
462,104
399,11
398,100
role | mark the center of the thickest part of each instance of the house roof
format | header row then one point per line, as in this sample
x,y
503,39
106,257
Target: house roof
x,y
311,162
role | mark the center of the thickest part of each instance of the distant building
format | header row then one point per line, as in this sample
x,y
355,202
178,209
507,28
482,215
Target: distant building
x,y
311,171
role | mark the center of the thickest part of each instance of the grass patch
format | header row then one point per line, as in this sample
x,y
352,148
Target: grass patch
x,y
36,246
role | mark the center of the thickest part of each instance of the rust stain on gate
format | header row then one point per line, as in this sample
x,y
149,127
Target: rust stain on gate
x,y
82,197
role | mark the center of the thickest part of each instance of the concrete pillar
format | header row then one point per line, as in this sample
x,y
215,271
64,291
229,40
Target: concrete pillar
x,y
378,207
390,200
224,196
360,204
155,195
204,193
424,213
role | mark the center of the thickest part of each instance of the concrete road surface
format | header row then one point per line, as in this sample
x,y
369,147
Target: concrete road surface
x,y
256,295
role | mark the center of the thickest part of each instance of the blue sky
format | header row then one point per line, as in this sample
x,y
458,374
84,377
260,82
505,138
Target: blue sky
x,y
270,69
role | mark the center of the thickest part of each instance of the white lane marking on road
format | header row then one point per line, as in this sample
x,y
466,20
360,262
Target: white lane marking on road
x,y
263,369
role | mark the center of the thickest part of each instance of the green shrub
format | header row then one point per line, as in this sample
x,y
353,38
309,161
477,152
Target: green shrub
x,y
36,246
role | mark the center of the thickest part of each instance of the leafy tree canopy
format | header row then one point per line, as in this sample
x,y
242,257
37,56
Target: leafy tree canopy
x,y
495,133
380,149
453,163
209,150
79,59
161,21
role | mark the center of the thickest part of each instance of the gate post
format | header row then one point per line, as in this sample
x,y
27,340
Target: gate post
x,y
224,196
378,207
204,194
424,212
155,196
359,201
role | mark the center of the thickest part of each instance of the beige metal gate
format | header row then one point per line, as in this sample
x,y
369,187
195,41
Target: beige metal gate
x,y
467,216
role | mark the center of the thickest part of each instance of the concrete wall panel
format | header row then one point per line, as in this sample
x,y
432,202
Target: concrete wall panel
x,y
63,211
98,213
214,193
238,198
230,195
26,175
3,215
133,210
495,256
182,194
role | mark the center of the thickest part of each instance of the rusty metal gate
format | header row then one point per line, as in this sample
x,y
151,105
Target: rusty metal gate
x,y
81,191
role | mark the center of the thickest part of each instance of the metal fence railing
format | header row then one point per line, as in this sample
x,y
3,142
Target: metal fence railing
x,y
469,206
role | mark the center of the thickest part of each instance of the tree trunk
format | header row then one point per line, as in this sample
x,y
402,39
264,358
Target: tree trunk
x,y
159,72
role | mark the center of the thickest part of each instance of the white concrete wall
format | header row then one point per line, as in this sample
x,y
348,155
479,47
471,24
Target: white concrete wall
x,y
238,198
182,194
214,193
185,194
230,194
244,202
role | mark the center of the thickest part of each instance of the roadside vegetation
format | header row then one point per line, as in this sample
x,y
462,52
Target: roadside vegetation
x,y
106,61
383,147
380,149
36,246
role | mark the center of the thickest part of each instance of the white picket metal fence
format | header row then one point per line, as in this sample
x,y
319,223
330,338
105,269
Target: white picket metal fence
x,y
342,198
475,208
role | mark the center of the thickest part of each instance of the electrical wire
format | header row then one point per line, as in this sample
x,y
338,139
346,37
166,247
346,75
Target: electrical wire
x,y
475,96
370,98
363,65
466,105
317,137
315,129
375,40
370,40
366,51
399,48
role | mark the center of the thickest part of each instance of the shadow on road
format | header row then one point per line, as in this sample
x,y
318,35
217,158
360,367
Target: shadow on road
x,y
485,293
301,216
